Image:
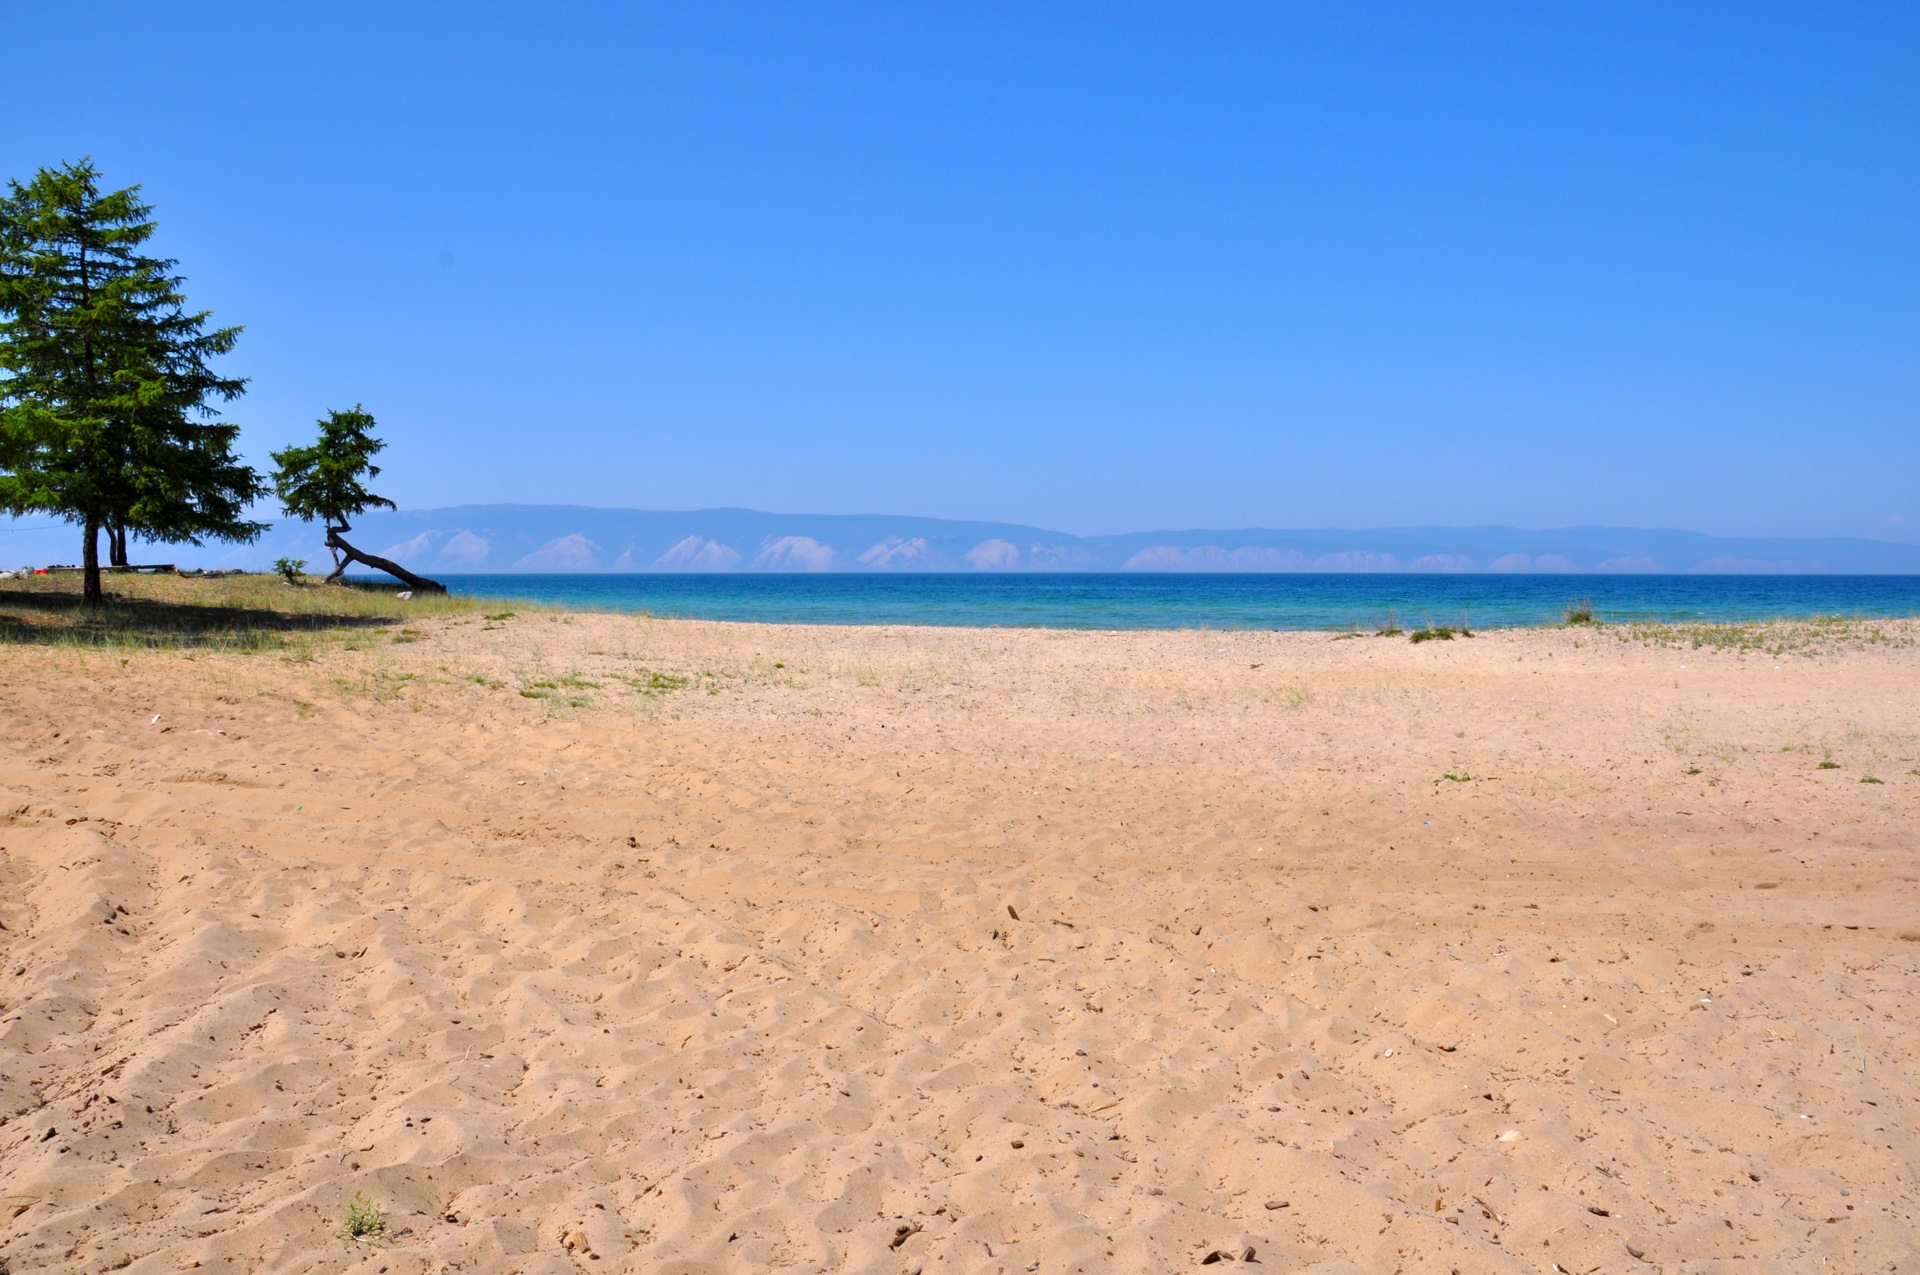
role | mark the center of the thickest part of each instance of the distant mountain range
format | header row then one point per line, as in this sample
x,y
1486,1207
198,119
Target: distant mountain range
x,y
568,538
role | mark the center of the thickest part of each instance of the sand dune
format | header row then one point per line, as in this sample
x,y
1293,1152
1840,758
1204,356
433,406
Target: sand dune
x,y
591,942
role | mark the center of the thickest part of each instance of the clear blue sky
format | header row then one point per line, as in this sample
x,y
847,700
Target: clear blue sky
x,y
1099,267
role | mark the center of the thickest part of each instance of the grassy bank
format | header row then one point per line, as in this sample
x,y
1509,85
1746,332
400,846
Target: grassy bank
x,y
235,613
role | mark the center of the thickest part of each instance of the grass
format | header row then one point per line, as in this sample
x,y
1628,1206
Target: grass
x,y
655,683
1869,779
1456,778
1390,629
365,1219
253,612
1295,696
1581,612
1828,765
1814,636
1438,633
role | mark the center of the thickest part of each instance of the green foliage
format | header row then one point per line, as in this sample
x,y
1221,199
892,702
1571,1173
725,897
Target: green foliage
x,y
1581,612
1828,765
1433,635
108,399
1813,636
649,683
327,480
290,568
1390,629
365,1219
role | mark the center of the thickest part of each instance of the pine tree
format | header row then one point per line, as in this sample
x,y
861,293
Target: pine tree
x,y
328,481
108,402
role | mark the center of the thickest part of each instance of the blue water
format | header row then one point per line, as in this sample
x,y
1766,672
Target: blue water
x,y
1090,601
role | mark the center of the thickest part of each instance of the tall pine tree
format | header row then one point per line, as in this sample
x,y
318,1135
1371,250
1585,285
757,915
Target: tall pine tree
x,y
109,413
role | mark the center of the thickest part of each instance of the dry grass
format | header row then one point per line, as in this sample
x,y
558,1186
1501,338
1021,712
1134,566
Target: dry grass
x,y
255,612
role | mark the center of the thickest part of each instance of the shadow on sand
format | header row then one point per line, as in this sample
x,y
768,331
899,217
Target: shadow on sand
x,y
36,617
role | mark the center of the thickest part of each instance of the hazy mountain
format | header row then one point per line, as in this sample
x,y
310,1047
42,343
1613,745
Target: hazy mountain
x,y
563,538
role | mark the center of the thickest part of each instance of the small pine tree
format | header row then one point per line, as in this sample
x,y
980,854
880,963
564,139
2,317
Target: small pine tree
x,y
108,400
327,482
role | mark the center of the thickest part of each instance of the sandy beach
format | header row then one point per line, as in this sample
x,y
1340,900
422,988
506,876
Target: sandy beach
x,y
592,942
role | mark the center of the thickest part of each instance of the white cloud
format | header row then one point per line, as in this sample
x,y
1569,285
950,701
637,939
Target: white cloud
x,y
1630,564
697,554
1356,560
794,553
1511,562
567,553
1554,562
894,554
465,549
994,555
416,548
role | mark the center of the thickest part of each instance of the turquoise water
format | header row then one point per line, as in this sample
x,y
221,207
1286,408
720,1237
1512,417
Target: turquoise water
x,y
1097,601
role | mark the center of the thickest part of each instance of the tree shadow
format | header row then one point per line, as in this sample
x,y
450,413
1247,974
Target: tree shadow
x,y
34,617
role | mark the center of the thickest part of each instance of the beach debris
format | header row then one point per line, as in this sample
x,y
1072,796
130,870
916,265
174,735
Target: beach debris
x,y
1276,1205
1012,913
1387,1054
156,717
903,1232
576,1243
405,595
1511,1135
1237,1254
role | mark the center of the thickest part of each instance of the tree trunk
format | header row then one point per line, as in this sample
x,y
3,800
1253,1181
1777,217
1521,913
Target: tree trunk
x,y
117,545
90,565
346,553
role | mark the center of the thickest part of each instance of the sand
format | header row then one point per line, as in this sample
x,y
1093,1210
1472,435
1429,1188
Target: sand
x,y
952,950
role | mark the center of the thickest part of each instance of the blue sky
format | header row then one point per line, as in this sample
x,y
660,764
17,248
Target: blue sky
x,y
1097,268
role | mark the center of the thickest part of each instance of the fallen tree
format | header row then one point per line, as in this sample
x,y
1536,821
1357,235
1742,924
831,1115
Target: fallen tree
x,y
327,482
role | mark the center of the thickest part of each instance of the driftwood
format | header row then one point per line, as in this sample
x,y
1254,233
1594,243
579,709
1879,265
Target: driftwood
x,y
344,553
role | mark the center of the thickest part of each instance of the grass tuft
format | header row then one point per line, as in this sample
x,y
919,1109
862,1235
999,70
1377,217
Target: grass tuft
x,y
365,1219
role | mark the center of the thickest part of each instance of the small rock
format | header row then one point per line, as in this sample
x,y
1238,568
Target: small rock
x,y
1273,1205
